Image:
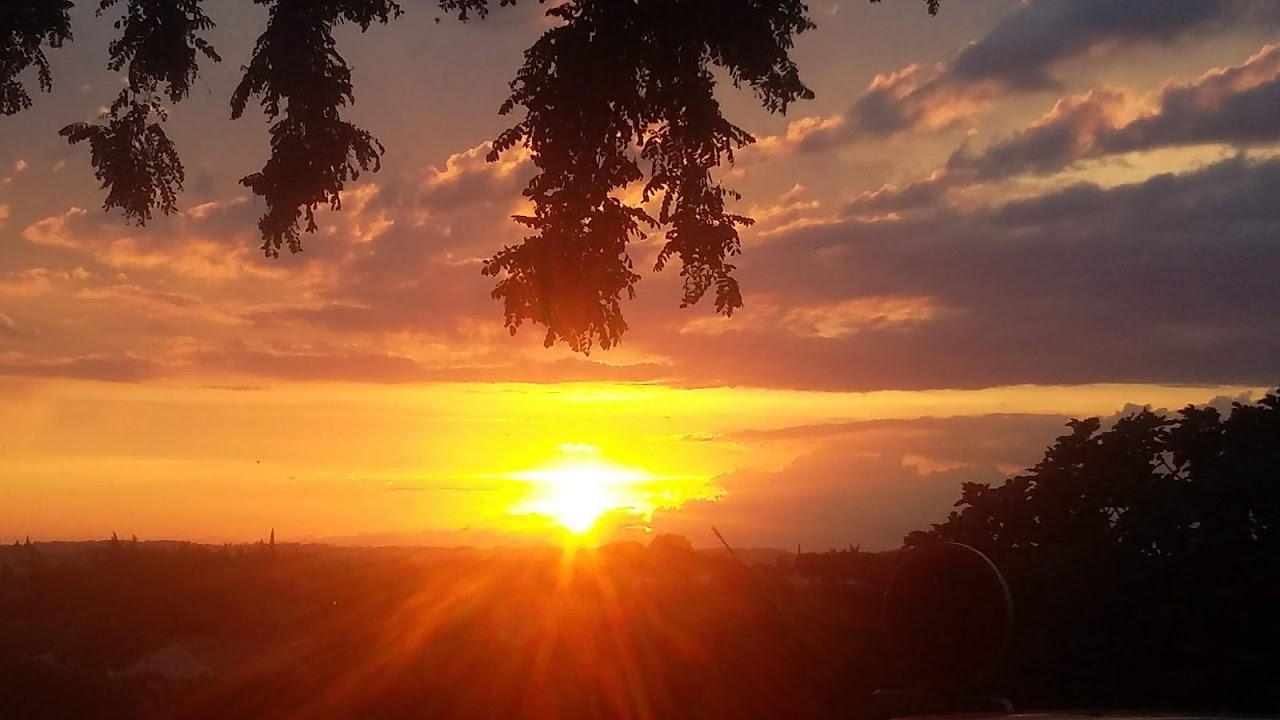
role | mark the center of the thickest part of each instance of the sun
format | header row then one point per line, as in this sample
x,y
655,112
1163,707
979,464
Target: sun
x,y
577,498
579,488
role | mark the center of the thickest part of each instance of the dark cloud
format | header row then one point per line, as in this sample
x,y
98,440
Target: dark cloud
x,y
1068,133
1221,108
132,292
1232,106
233,219
1022,50
467,178
987,440
926,193
1163,281
1170,280
420,271
1227,194
834,497
870,483
384,313
111,368
372,366
1020,55
235,388
1237,106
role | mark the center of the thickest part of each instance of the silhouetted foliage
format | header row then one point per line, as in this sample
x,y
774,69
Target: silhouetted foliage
x,y
612,77
296,71
134,159
1142,560
1150,486
26,27
615,93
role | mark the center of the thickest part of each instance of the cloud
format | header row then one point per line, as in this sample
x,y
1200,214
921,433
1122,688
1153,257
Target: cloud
x,y
395,274
419,270
1163,280
20,165
824,319
1023,49
468,178
1008,441
892,199
148,301
794,209
835,496
348,362
1019,55
212,241
1168,280
807,134
57,230
8,327
1146,282
94,293
1233,106
111,368
29,283
358,366
384,302
869,482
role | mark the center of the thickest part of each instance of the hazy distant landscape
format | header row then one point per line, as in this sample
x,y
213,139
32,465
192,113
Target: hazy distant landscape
x,y
1141,560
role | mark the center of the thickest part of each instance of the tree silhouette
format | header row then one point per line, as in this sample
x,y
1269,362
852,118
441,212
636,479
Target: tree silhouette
x,y
1135,552
1151,486
616,93
26,28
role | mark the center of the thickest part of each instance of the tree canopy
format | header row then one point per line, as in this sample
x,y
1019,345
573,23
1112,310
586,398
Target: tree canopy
x,y
616,92
1136,552
1198,485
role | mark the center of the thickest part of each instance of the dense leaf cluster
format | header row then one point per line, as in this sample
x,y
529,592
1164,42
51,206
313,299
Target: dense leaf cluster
x,y
616,89
1150,486
617,92
26,27
134,159
302,82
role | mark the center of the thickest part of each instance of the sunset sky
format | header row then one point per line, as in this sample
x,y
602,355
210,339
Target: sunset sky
x,y
986,223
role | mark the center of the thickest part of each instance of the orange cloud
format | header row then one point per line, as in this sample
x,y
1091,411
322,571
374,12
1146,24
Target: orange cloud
x,y
849,317
829,320
800,134
57,230
28,283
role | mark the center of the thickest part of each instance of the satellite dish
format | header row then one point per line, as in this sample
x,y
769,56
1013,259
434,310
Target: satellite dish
x,y
948,616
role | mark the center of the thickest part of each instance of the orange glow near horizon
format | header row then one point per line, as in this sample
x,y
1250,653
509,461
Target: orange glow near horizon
x,y
458,464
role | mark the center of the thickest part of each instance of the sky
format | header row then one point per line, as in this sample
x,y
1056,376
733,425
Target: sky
x,y
986,223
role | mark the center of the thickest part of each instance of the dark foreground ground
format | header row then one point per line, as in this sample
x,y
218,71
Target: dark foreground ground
x,y
122,630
